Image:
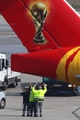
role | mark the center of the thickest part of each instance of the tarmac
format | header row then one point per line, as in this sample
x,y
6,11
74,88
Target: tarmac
x,y
54,108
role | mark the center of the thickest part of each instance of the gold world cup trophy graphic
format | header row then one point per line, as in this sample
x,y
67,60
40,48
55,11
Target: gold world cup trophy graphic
x,y
39,14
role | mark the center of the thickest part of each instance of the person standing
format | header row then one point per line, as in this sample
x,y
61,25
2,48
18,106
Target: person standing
x,y
31,101
25,94
39,98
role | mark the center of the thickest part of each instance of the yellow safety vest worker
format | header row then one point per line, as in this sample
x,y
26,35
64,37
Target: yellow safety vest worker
x,y
31,97
39,94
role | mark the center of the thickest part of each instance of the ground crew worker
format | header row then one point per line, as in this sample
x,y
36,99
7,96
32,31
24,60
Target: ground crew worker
x,y
31,101
42,85
30,87
25,94
39,98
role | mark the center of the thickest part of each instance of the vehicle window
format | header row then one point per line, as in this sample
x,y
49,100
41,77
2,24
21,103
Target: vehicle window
x,y
0,65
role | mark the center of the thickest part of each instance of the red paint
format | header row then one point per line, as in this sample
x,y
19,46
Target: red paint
x,y
43,63
61,30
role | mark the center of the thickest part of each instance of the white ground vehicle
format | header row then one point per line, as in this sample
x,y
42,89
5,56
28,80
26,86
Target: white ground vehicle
x,y
7,77
2,99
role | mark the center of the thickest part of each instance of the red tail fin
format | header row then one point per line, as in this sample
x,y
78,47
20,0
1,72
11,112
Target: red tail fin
x,y
17,14
53,23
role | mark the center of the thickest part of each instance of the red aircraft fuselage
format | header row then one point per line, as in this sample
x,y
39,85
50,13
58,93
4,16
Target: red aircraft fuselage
x,y
50,31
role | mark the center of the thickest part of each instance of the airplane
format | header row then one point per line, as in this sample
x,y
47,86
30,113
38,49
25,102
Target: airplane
x,y
50,31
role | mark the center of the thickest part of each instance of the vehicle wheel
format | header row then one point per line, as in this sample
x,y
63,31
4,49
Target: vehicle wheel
x,y
2,103
76,92
5,85
15,83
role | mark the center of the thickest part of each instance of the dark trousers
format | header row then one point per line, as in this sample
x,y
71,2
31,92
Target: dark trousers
x,y
38,108
25,106
32,109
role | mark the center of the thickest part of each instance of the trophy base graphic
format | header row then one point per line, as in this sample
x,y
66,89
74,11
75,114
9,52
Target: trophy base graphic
x,y
39,40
